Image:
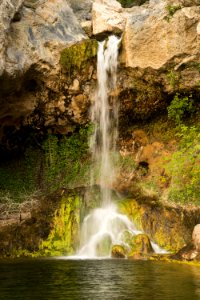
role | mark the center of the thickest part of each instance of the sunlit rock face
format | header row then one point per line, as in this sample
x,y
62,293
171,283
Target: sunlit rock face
x,y
153,38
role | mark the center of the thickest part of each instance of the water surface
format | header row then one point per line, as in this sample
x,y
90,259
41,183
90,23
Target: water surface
x,y
97,279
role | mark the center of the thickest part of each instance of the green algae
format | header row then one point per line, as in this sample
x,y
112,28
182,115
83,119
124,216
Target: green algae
x,y
77,56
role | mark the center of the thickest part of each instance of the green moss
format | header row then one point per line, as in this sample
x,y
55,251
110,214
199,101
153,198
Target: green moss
x,y
64,236
172,9
132,209
78,55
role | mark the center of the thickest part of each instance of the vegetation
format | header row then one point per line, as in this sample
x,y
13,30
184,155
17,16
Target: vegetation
x,y
172,77
172,9
19,177
180,107
60,162
184,167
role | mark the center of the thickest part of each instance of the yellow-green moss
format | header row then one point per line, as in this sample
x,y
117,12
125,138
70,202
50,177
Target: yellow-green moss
x,y
64,236
165,226
118,251
78,55
133,210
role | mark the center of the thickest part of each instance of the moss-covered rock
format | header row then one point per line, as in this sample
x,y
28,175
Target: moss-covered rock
x,y
170,227
64,236
118,251
140,245
51,228
77,56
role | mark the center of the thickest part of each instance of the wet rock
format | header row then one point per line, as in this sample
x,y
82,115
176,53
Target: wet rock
x,y
140,246
170,227
118,251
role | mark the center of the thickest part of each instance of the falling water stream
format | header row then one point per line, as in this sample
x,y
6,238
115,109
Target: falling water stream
x,y
104,226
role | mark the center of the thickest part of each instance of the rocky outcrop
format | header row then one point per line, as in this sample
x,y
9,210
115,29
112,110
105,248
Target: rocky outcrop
x,y
51,225
159,52
158,57
37,90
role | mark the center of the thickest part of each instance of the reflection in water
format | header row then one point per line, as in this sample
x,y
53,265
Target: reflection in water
x,y
98,279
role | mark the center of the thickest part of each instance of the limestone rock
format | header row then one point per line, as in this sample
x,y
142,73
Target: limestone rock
x,y
107,16
151,40
196,237
32,35
39,35
190,2
8,9
82,9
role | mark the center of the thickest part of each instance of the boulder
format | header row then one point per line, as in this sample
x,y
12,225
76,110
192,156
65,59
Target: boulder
x,y
154,37
196,237
118,251
107,16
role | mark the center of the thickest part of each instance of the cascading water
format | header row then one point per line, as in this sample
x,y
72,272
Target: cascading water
x,y
104,115
105,227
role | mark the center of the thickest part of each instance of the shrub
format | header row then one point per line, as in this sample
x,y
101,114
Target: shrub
x,y
184,167
180,107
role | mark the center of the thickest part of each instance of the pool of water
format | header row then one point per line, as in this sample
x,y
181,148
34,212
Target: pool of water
x,y
97,279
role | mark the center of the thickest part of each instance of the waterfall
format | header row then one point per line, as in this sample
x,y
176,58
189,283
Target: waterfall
x,y
104,226
104,115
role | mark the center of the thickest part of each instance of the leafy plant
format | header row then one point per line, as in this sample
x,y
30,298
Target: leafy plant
x,y
62,161
184,167
66,159
179,107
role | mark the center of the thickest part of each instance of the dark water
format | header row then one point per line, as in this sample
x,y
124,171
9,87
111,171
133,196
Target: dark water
x,y
97,279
